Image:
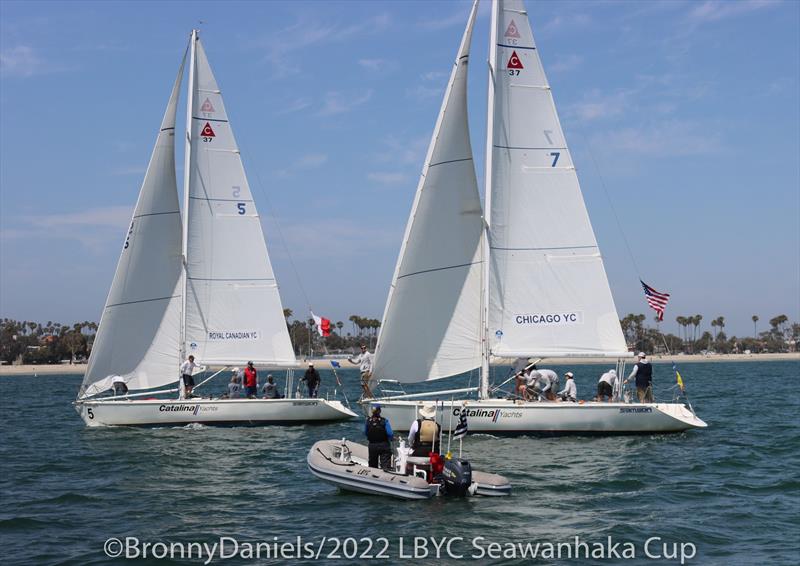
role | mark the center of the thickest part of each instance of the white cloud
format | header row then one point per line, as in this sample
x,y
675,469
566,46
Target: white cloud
x,y
565,22
596,105
305,162
295,106
566,63
340,103
715,10
423,92
458,18
332,237
668,138
20,61
404,152
373,64
388,178
107,216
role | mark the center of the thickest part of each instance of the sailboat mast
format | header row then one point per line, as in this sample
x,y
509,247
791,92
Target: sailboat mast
x,y
187,159
484,381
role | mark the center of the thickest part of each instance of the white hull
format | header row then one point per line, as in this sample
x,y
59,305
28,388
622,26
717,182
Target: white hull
x,y
507,417
219,412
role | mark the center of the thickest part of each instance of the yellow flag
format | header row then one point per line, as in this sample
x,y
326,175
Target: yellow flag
x,y
680,381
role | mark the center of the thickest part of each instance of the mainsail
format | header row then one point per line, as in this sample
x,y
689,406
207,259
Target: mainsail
x,y
431,325
233,310
138,336
547,287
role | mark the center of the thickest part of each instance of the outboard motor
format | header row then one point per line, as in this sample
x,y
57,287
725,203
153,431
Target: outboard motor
x,y
457,477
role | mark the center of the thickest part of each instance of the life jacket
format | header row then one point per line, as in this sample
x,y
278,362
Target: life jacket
x,y
426,432
644,374
376,429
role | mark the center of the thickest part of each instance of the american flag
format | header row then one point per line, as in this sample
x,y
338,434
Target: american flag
x,y
656,300
461,428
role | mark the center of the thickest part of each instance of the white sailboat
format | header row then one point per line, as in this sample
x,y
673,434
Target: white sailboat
x,y
522,279
204,286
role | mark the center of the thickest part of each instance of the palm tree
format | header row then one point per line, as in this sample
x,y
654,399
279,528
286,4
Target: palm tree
x,y
714,327
754,318
287,314
339,326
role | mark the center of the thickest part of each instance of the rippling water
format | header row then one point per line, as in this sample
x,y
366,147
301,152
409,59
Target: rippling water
x,y
732,490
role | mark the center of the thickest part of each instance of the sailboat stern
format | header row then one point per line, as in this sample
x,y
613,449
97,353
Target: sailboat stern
x,y
681,413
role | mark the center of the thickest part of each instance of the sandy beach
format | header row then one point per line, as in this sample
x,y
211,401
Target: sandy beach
x,y
324,363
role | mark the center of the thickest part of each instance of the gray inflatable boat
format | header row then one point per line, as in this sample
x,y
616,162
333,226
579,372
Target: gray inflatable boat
x,y
345,465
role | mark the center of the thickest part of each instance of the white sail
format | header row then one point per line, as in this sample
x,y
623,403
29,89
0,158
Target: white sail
x,y
138,337
233,310
548,291
431,325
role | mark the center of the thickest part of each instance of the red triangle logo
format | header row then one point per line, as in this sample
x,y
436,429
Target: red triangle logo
x,y
207,106
512,30
207,132
514,62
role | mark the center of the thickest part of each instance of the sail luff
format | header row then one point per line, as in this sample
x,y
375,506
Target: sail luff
x,y
428,311
137,336
187,163
487,205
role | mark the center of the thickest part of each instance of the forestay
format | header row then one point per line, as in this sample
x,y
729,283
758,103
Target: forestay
x,y
431,324
233,310
138,336
548,291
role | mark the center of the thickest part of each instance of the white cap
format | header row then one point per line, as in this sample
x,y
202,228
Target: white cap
x,y
235,370
642,355
568,374
428,411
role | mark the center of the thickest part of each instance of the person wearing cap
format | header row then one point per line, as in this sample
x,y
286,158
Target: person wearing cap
x,y
643,373
235,386
270,390
605,387
423,434
251,380
312,379
364,363
570,391
379,434
542,384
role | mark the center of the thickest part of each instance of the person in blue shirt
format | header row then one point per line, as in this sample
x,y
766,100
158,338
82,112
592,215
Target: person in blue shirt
x,y
379,434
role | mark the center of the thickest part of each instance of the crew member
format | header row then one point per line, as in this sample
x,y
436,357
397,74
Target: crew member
x,y
424,432
605,387
554,381
364,363
570,391
270,390
235,386
187,370
643,372
379,434
119,385
312,379
251,380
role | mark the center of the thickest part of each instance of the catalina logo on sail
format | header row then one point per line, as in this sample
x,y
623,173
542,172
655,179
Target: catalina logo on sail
x,y
221,335
558,318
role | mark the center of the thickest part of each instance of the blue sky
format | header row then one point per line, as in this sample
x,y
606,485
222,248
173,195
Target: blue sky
x,y
691,111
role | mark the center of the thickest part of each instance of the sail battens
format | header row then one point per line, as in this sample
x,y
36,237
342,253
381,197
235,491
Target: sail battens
x,y
143,215
514,46
449,161
245,201
167,129
229,279
531,148
143,301
209,119
439,269
588,247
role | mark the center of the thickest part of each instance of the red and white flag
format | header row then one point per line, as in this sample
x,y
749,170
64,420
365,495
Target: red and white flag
x,y
323,324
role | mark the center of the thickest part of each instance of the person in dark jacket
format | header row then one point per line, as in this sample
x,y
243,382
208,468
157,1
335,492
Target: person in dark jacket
x,y
643,373
312,379
379,434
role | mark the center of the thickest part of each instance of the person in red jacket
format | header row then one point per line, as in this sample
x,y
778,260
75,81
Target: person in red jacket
x,y
251,380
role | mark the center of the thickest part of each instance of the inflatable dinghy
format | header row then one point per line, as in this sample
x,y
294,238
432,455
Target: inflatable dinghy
x,y
345,465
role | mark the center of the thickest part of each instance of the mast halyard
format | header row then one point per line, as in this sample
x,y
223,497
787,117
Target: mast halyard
x,y
483,391
187,160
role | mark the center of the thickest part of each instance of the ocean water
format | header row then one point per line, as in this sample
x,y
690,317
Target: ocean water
x,y
729,494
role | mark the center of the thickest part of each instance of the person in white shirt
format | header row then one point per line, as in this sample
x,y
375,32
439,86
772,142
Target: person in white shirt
x,y
187,371
540,383
605,387
555,383
570,391
364,363
235,386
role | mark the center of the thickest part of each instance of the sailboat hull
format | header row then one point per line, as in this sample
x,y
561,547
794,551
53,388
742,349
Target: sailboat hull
x,y
508,417
212,412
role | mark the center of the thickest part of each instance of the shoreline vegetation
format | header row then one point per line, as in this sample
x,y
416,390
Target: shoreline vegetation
x,y
324,363
28,347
